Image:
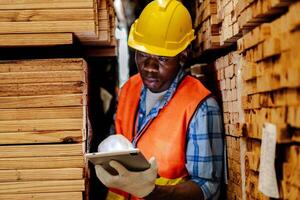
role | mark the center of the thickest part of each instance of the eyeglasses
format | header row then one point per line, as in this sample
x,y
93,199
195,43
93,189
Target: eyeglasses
x,y
141,56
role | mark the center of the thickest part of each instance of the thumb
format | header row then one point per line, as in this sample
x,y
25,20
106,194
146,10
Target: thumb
x,y
119,167
153,162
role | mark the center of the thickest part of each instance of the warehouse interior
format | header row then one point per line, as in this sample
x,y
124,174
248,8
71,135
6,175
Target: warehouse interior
x,y
62,64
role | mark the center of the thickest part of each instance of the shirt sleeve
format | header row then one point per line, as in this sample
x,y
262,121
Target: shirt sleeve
x,y
205,148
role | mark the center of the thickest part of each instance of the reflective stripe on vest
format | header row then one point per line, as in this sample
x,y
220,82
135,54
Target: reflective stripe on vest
x,y
165,136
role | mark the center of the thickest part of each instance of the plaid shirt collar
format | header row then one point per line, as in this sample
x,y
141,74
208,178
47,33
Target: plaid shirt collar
x,y
142,118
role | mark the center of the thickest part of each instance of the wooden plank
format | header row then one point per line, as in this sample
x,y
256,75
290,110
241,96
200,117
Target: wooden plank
x,y
44,196
41,113
42,101
31,89
41,77
42,137
42,162
271,47
40,150
58,64
87,26
103,25
103,14
42,186
40,39
41,125
44,4
46,15
101,52
41,174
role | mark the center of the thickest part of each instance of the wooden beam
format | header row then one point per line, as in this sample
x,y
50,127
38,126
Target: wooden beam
x,y
40,125
42,101
46,15
42,162
39,39
84,27
42,113
101,52
58,64
22,151
44,4
40,137
42,186
41,77
31,89
44,196
41,174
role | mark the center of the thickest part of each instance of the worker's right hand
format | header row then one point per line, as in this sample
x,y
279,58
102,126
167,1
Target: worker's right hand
x,y
139,184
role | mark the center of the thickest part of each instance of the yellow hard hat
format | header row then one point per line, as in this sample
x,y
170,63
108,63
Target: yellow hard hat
x,y
164,28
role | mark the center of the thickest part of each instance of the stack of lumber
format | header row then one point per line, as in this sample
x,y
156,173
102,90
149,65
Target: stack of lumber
x,y
42,129
229,80
53,22
266,33
105,44
252,159
234,186
254,12
206,26
227,18
237,17
227,75
271,93
105,25
291,173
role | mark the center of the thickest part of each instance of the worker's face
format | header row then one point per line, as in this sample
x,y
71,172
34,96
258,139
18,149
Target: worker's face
x,y
157,72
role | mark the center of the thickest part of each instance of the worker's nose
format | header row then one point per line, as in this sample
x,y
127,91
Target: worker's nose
x,y
151,65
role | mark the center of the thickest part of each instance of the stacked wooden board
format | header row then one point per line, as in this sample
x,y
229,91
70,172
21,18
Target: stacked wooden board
x,y
206,26
228,21
271,94
105,44
220,23
42,129
227,69
53,22
266,34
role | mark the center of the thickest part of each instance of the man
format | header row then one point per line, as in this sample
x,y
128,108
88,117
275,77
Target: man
x,y
169,116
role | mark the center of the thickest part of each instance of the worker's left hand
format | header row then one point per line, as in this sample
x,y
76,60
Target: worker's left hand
x,y
139,184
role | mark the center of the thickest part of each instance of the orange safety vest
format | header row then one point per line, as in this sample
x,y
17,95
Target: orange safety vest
x,y
164,136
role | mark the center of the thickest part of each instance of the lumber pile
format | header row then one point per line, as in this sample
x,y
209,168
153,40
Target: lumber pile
x,y
206,26
52,22
42,129
271,93
291,173
227,75
227,69
237,17
228,21
105,44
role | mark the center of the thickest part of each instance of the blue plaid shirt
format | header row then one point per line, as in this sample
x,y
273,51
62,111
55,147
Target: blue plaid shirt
x,y
204,155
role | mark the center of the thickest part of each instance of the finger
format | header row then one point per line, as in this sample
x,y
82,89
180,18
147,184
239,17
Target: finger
x,y
102,174
119,167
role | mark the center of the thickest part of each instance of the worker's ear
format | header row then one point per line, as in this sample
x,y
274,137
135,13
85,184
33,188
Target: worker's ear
x,y
183,56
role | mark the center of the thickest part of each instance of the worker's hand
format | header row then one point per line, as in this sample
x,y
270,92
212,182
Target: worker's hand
x,y
139,184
